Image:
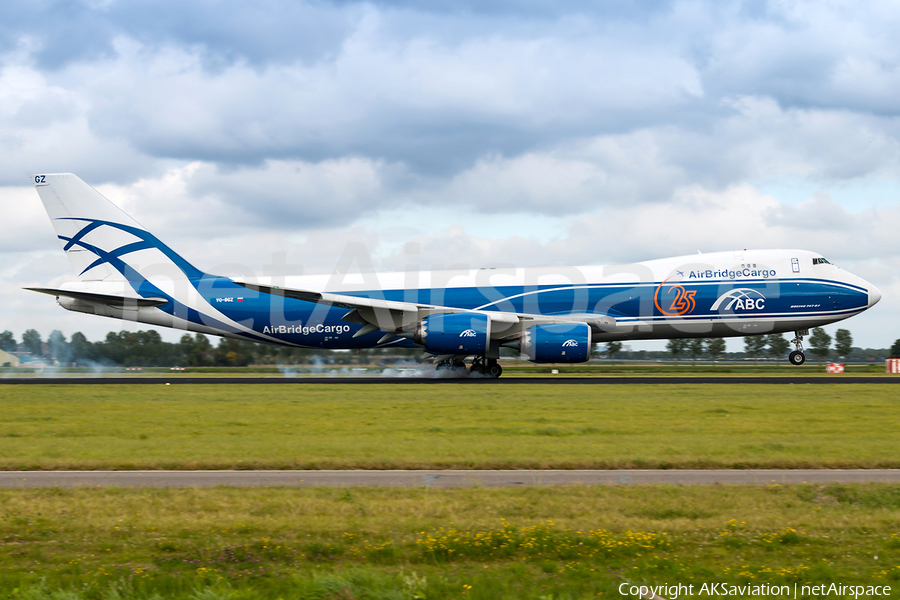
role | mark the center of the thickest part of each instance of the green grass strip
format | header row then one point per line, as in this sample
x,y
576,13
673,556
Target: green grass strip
x,y
569,542
448,426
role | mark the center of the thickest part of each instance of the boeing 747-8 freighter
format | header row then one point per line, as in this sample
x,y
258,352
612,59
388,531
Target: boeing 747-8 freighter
x,y
552,315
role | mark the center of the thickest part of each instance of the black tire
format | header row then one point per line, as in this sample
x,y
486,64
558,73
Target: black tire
x,y
797,358
495,370
477,367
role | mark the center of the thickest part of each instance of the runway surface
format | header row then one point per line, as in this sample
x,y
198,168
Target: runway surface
x,y
554,380
436,479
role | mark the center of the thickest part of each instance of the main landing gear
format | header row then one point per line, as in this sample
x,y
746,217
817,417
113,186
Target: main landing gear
x,y
486,366
797,357
455,366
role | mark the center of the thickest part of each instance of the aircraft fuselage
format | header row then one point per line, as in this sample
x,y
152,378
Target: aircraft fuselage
x,y
710,295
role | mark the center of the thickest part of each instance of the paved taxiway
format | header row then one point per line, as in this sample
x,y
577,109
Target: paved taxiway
x,y
437,479
556,380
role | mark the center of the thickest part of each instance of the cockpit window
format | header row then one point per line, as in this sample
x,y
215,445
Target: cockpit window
x,y
820,261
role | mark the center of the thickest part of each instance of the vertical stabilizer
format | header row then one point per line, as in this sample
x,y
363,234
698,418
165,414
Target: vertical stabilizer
x,y
102,242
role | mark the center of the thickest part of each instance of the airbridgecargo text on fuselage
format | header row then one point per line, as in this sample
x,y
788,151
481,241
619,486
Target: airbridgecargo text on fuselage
x,y
735,274
306,329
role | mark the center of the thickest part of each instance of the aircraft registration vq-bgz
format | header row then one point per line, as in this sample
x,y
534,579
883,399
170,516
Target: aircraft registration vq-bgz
x,y
550,314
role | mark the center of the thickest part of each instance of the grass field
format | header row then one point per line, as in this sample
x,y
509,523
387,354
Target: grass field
x,y
448,426
569,542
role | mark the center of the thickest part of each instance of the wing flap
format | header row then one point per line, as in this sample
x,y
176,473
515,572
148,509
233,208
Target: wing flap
x,y
339,300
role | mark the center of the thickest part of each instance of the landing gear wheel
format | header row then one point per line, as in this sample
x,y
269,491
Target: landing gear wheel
x,y
493,368
797,358
459,367
456,367
477,366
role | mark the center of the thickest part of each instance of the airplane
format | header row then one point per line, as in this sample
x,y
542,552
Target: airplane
x,y
550,314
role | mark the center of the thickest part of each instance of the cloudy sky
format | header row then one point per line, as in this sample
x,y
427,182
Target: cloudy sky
x,y
248,135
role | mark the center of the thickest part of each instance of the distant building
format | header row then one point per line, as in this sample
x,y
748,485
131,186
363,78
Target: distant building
x,y
8,360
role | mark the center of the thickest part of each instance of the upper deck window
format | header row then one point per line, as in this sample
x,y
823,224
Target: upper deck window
x,y
820,261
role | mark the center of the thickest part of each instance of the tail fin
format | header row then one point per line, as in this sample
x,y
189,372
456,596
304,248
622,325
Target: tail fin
x,y
101,241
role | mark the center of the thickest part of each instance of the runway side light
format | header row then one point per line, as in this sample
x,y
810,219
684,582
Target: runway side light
x,y
167,383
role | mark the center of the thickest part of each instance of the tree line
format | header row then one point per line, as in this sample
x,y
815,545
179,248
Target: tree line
x,y
774,345
147,349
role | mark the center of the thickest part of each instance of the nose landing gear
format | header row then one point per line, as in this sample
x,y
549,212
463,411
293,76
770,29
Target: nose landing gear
x,y
797,357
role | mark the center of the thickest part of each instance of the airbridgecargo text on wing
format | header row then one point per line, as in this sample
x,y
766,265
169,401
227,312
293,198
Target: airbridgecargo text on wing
x,y
746,273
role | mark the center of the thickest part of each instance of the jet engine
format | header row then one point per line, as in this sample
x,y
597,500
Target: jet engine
x,y
557,343
454,333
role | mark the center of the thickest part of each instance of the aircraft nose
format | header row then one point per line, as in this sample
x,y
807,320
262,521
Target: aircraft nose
x,y
874,295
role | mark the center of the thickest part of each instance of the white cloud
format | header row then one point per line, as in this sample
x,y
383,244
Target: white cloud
x,y
410,99
24,226
297,193
807,54
528,183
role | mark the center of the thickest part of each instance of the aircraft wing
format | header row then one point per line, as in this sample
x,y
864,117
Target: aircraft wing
x,y
339,300
394,317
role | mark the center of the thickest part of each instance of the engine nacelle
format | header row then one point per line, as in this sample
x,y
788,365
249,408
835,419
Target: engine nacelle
x,y
455,333
557,343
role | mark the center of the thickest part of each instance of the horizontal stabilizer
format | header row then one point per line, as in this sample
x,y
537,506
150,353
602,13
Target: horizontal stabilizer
x,y
106,299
